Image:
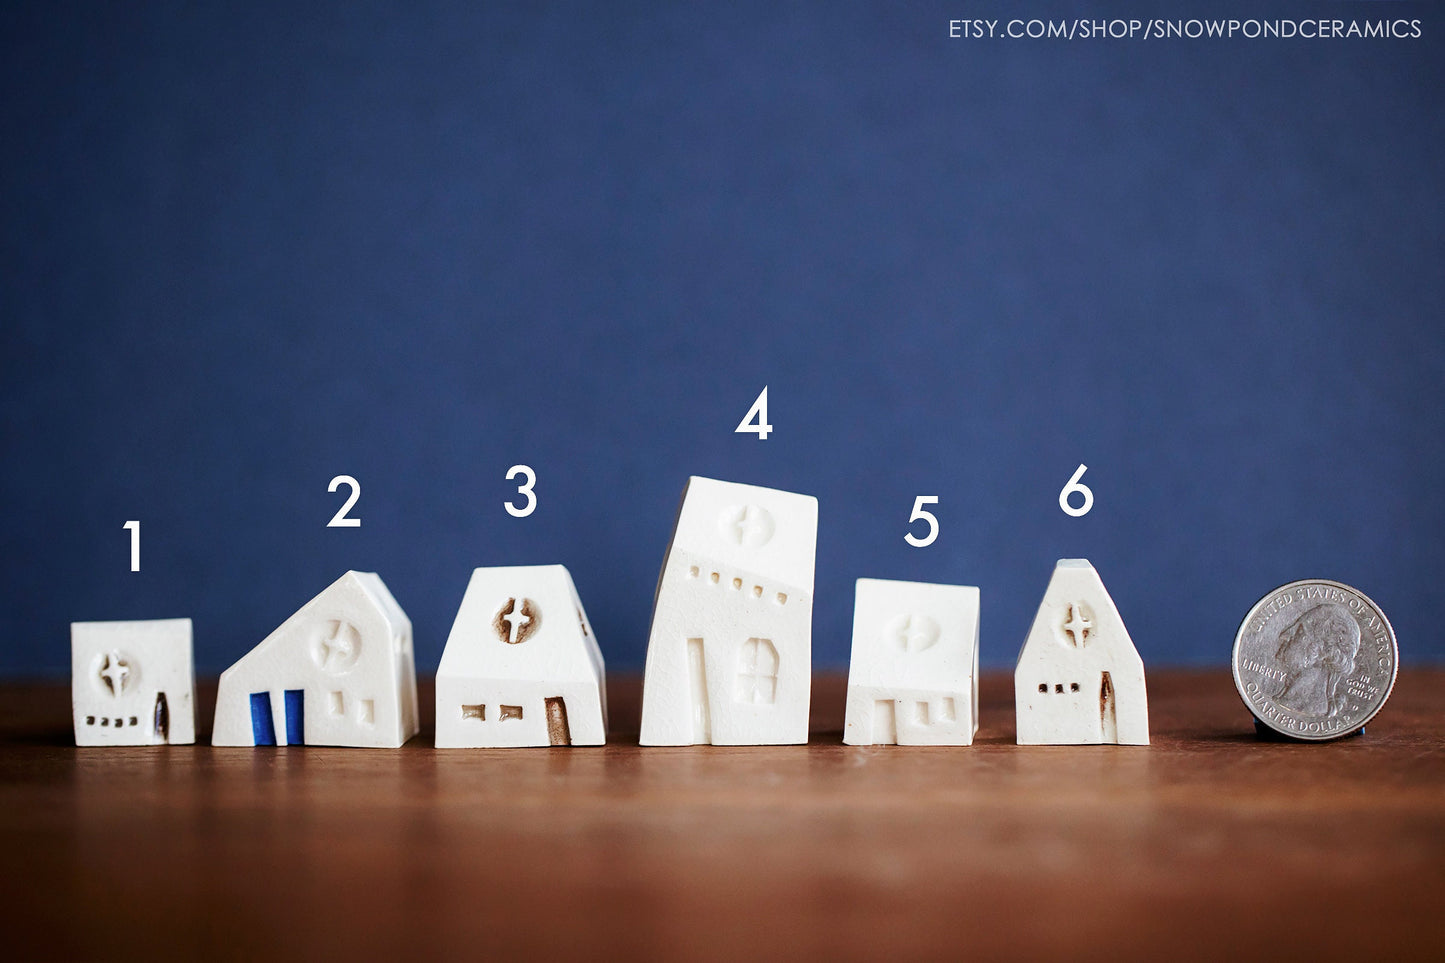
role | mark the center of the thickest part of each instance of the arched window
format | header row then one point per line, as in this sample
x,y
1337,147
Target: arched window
x,y
757,672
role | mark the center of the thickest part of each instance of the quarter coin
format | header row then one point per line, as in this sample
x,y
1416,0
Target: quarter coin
x,y
1315,659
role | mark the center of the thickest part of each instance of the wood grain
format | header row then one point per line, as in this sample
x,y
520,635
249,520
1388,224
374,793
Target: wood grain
x,y
1209,843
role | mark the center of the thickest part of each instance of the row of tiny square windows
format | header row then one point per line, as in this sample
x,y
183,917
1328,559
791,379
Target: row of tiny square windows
x,y
105,721
715,577
1058,687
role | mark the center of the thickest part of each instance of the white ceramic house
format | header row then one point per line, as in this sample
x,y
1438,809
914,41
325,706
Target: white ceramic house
x,y
521,666
729,656
340,672
1079,679
913,675
132,683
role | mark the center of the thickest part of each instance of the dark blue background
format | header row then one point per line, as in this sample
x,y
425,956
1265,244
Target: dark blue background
x,y
250,247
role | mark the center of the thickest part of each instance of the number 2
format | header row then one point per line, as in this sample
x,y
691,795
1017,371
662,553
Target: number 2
x,y
932,520
523,489
759,410
134,528
340,519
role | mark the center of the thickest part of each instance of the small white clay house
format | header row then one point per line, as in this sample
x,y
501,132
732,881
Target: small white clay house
x,y
521,666
340,672
729,655
913,674
1079,679
132,683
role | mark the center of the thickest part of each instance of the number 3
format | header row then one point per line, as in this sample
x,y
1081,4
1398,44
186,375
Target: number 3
x,y
918,513
524,489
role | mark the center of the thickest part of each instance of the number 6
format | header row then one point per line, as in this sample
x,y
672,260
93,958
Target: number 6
x,y
1075,485
918,513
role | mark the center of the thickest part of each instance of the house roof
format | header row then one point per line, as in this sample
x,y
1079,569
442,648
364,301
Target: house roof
x,y
768,533
1074,581
913,634
559,647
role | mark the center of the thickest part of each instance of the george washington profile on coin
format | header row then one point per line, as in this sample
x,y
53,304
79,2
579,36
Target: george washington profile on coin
x,y
1317,654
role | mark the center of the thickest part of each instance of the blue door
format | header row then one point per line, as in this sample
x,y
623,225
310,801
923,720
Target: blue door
x,y
296,717
263,724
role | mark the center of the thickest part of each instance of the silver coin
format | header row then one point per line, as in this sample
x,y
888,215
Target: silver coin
x,y
1315,659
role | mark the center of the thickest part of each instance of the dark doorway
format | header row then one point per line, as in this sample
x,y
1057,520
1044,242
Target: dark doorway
x,y
557,732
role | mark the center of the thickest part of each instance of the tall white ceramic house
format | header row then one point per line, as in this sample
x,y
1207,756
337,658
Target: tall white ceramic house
x,y
913,675
132,683
1079,679
729,657
522,666
340,672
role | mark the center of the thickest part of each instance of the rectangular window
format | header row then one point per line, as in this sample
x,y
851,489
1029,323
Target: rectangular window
x,y
478,712
511,712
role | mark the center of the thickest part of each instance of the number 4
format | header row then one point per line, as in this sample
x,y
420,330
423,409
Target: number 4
x,y
759,410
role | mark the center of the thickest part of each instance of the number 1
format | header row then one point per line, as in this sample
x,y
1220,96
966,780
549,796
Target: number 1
x,y
134,528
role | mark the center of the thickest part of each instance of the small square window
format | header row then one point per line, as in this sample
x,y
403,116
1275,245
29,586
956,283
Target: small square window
x,y
1043,687
1073,687
1059,687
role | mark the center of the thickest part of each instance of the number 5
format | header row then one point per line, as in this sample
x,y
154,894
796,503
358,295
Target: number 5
x,y
918,513
524,489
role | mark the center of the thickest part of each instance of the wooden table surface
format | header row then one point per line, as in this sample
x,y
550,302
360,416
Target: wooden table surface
x,y
1207,843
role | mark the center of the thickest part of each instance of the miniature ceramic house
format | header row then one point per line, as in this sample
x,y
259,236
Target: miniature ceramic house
x,y
913,677
521,666
340,672
729,657
1079,679
132,683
